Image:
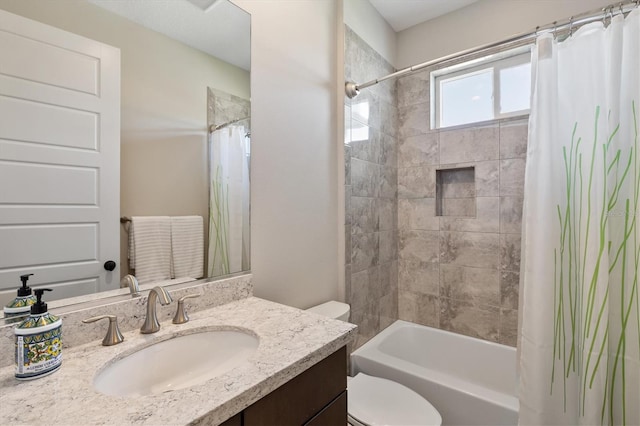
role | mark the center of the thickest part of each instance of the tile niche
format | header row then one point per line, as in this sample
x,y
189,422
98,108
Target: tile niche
x,y
456,192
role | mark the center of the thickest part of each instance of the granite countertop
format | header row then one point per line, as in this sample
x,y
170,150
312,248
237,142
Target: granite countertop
x,y
291,341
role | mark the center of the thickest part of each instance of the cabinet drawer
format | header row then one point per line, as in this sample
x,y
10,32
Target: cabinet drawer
x,y
335,414
298,400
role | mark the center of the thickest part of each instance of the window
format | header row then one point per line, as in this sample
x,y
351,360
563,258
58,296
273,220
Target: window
x,y
488,88
360,116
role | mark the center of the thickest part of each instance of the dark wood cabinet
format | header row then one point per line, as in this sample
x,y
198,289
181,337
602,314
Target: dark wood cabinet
x,y
333,414
315,397
234,421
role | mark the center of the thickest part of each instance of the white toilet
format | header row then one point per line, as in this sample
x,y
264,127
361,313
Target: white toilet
x,y
375,401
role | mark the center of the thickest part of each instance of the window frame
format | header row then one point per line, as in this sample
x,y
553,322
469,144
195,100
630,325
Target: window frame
x,y
496,62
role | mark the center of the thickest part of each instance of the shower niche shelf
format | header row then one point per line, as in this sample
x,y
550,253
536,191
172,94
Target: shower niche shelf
x,y
456,192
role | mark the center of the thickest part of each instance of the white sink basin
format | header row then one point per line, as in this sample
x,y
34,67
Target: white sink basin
x,y
176,363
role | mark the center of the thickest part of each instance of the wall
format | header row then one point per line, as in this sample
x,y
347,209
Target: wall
x,y
366,22
164,107
483,22
459,273
294,127
294,164
371,202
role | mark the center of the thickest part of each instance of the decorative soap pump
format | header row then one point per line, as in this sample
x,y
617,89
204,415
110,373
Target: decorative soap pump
x,y
21,305
38,342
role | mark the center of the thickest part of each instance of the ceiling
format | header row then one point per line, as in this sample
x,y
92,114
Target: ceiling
x,y
402,14
221,29
218,28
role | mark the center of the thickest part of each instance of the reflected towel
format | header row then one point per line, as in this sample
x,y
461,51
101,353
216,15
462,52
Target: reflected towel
x,y
187,246
150,248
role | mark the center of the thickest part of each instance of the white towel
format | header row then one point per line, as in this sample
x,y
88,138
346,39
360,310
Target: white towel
x,y
150,248
187,247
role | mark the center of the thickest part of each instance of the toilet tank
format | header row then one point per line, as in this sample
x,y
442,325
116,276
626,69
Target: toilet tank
x,y
332,309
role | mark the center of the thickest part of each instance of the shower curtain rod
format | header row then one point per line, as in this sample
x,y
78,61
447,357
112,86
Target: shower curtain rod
x,y
214,127
353,89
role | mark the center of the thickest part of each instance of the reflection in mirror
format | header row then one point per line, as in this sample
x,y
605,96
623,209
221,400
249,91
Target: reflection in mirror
x,y
183,67
229,190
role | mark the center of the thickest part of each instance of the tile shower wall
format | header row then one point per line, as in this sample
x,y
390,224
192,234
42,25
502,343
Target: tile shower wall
x,y
371,203
223,107
454,272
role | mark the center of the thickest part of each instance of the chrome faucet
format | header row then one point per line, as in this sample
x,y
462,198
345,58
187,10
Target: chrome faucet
x,y
151,324
131,282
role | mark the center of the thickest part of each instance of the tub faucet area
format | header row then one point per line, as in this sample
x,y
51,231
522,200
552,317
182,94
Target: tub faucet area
x,y
151,324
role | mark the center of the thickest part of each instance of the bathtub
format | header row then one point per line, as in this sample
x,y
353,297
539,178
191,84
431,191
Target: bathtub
x,y
469,381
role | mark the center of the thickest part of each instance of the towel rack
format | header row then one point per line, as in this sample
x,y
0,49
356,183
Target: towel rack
x,y
125,219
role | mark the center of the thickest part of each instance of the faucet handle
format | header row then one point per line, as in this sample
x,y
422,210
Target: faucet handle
x,y
181,314
113,336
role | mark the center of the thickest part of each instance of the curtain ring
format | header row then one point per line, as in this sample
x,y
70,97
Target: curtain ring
x,y
621,9
555,29
570,26
604,16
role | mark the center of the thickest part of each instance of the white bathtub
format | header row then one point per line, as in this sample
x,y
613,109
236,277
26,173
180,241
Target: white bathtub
x,y
469,381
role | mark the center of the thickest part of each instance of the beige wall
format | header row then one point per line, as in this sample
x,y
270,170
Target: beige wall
x,y
483,22
294,161
366,21
164,107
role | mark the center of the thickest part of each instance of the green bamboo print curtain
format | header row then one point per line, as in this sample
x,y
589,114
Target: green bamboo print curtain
x,y
229,201
580,338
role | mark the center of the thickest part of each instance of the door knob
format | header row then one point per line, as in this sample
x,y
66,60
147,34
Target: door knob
x,y
109,265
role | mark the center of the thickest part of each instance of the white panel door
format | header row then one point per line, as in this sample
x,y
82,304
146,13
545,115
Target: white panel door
x,y
59,159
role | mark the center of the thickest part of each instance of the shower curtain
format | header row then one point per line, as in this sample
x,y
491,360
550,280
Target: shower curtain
x,y
229,201
580,335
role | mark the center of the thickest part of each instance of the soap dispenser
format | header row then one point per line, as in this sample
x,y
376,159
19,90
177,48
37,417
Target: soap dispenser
x,y
21,305
38,342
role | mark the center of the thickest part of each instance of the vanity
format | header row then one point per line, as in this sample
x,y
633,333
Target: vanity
x,y
154,109
295,375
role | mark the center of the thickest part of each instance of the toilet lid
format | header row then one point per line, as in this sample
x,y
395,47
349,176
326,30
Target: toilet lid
x,y
375,401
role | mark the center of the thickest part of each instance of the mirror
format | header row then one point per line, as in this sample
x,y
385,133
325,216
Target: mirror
x,y
185,68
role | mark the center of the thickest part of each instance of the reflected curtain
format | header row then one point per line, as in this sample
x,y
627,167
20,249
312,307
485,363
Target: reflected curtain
x,y
580,336
229,201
